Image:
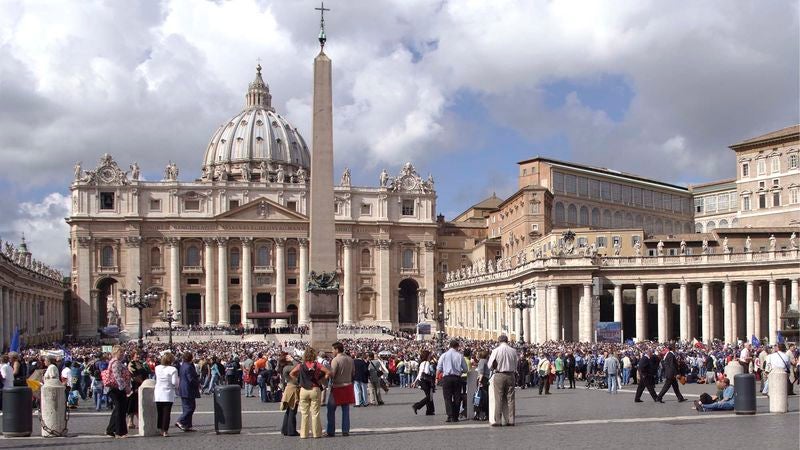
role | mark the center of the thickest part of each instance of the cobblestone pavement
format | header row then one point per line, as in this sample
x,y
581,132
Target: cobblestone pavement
x,y
566,419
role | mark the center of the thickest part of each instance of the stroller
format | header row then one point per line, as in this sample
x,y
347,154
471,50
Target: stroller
x,y
596,381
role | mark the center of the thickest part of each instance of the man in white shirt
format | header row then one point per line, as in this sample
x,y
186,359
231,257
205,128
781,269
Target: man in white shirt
x,y
6,376
745,358
504,362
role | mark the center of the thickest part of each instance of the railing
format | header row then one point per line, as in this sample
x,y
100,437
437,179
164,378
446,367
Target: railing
x,y
192,269
263,269
407,271
108,269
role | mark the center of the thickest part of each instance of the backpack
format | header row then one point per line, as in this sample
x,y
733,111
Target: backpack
x,y
229,369
309,376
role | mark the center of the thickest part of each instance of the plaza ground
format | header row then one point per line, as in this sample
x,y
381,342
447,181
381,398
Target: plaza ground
x,y
566,419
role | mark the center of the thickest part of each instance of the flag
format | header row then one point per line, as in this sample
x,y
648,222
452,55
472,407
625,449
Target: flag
x,y
780,338
754,340
14,347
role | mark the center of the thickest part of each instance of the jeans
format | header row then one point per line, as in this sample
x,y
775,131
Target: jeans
x,y
719,406
612,383
248,390
560,380
98,399
331,427
188,405
361,393
403,380
262,391
212,384
626,376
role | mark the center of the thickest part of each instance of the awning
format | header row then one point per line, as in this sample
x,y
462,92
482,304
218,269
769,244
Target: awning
x,y
270,315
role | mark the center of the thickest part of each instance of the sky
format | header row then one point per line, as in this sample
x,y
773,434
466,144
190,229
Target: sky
x,y
462,89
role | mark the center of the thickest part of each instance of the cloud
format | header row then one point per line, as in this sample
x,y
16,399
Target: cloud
x,y
42,223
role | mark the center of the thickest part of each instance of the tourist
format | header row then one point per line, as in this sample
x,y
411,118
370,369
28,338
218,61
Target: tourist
x,y
626,369
725,403
569,366
559,367
611,368
484,373
310,375
671,372
361,380
504,360
342,393
377,371
425,380
164,392
139,373
746,357
779,361
646,373
189,392
544,369
449,369
118,382
6,376
291,395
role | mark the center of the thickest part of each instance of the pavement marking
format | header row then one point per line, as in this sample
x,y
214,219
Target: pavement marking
x,y
173,413
662,419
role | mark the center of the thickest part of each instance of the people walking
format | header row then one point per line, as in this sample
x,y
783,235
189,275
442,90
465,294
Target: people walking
x,y
165,391
189,392
342,392
310,376
117,378
504,360
377,372
645,377
361,380
670,372
449,368
611,368
544,369
482,408
425,380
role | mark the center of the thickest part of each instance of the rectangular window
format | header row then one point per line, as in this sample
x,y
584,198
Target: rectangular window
x,y
366,209
408,207
535,227
637,196
601,241
762,167
776,182
106,200
648,198
233,204
616,191
776,164
191,205
616,240
626,195
570,184
722,202
635,239
676,203
666,202
762,201
558,182
762,184
583,242
291,281
337,208
745,203
594,187
745,170
192,281
155,205
235,281
291,206
607,191
793,196
583,186
673,252
776,199
793,161
657,200
711,204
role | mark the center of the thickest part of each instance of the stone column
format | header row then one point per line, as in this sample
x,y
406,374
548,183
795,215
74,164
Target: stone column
x,y
684,312
133,249
662,313
527,325
749,310
223,309
348,245
280,280
734,313
585,314
641,311
174,244
303,309
773,312
712,306
247,281
727,315
541,313
618,303
553,329
757,311
3,319
87,323
209,271
795,296
706,312
430,282
384,290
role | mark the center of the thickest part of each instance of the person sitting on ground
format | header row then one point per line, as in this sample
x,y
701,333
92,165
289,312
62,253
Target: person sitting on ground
x,y
721,404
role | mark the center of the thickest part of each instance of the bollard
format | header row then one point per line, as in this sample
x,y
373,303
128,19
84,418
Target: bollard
x,y
778,392
732,369
17,411
53,410
492,402
228,409
472,381
147,409
744,394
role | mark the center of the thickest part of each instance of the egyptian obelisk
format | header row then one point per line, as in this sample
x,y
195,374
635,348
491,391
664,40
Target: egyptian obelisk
x,y
323,288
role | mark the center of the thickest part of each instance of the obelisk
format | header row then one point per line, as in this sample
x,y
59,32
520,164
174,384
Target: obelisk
x,y
323,287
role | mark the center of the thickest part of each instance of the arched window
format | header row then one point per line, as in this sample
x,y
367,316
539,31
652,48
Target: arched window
x,y
235,257
668,227
710,226
291,258
193,256
595,217
572,215
366,259
698,227
583,218
155,257
559,214
408,259
107,256
262,256
618,219
723,223
734,223
607,220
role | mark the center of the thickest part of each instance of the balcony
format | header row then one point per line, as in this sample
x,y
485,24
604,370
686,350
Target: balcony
x,y
156,269
263,269
192,269
408,271
108,269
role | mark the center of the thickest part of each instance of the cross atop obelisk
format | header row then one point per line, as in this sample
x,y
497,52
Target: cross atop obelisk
x,y
323,287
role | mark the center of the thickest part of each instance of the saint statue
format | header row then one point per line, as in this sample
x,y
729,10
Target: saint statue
x,y
78,171
262,167
725,248
245,172
301,175
660,248
111,311
135,171
637,248
280,175
384,179
345,178
747,244
617,248
793,241
683,247
772,242
705,246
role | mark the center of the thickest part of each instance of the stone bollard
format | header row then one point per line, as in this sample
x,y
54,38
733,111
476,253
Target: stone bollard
x,y
472,386
732,369
147,409
778,392
53,409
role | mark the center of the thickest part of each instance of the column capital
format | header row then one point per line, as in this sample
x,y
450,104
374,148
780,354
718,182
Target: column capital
x,y
430,246
302,242
280,242
246,241
209,241
133,241
84,241
383,244
222,241
349,243
172,241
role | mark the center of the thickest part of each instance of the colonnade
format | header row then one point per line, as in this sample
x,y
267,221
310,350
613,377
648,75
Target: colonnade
x,y
38,317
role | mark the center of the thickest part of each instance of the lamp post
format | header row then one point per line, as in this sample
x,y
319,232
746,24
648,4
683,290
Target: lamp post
x,y
139,300
170,316
521,301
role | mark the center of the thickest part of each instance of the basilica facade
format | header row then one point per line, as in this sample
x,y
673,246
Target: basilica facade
x,y
231,247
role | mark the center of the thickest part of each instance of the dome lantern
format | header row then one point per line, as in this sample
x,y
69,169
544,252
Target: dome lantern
x,y
258,93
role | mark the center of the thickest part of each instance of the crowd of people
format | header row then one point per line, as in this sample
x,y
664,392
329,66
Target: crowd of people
x,y
359,372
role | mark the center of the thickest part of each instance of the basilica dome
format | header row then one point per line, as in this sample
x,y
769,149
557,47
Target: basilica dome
x,y
257,144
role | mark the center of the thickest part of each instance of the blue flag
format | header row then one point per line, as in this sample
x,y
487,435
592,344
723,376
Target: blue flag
x,y
755,341
780,338
15,341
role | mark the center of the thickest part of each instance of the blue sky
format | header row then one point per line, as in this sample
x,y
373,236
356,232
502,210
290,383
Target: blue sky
x,y
463,90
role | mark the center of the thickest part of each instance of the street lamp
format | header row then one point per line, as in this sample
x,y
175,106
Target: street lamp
x,y
139,300
170,316
521,301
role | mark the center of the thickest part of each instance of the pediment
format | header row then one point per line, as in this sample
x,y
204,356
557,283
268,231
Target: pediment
x,y
262,209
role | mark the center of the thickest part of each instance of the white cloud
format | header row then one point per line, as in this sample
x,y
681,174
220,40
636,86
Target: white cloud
x,y
42,224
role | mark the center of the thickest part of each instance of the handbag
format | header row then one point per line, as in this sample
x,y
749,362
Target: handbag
x,y
476,399
682,379
343,395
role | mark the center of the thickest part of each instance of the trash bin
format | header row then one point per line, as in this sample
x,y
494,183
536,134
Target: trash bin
x,y
228,409
744,393
17,411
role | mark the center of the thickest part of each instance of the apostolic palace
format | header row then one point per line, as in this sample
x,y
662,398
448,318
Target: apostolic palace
x,y
227,246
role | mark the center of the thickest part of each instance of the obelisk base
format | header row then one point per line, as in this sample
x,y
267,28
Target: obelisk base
x,y
324,313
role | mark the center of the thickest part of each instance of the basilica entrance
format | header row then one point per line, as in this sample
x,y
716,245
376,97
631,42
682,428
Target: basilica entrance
x,y
263,304
106,289
194,308
407,302
236,315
